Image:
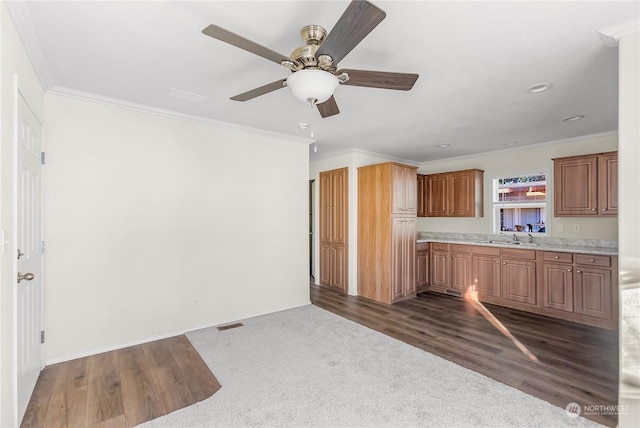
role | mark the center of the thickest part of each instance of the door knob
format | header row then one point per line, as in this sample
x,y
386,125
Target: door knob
x,y
27,276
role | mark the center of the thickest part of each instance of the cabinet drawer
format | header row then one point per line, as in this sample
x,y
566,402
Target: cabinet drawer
x,y
422,246
437,246
489,251
519,254
593,260
557,256
460,248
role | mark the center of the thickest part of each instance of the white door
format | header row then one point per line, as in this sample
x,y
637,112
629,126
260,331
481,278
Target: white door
x,y
29,253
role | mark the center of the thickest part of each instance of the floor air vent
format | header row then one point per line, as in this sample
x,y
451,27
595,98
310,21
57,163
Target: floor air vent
x,y
455,293
230,326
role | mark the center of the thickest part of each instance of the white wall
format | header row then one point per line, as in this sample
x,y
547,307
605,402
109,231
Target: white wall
x,y
157,225
13,62
528,159
629,242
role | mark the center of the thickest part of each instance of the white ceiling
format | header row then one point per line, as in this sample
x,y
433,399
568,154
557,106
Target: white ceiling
x,y
475,60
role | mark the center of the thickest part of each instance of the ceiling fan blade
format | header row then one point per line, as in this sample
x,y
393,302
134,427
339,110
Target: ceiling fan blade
x,y
356,22
242,43
328,108
269,87
379,79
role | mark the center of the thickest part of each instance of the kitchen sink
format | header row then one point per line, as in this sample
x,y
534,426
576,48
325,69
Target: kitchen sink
x,y
527,244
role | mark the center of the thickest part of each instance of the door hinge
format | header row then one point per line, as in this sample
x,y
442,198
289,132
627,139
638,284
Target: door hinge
x,y
42,158
42,246
42,336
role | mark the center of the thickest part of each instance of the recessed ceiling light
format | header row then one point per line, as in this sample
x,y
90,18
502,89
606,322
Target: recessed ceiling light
x,y
539,87
511,143
303,125
573,118
442,146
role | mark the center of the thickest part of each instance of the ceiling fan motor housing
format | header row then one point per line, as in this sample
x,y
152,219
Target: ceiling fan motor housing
x,y
304,57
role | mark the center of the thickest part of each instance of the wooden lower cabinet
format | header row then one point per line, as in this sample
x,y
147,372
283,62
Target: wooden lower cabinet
x,y
460,269
333,270
422,267
572,286
450,268
593,292
557,286
518,280
440,274
485,273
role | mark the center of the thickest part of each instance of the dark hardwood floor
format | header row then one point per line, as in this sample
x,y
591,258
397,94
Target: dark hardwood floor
x,y
121,388
577,363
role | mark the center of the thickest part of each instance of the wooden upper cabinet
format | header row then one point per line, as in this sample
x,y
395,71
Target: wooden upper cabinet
x,y
608,183
455,194
420,196
586,185
436,198
404,184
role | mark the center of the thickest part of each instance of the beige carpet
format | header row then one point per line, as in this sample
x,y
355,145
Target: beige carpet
x,y
307,367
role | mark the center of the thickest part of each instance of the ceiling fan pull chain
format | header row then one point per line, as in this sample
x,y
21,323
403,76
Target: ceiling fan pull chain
x,y
312,103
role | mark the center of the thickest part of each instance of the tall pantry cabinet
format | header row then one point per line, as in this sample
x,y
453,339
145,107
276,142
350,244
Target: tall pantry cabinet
x,y
387,208
334,214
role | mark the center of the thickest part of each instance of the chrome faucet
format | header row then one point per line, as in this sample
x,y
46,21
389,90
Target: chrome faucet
x,y
530,238
514,237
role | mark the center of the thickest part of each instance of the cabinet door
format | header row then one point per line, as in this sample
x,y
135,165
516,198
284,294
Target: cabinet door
x,y
461,194
326,265
409,254
422,269
608,184
403,241
576,186
339,201
325,207
440,269
557,286
436,195
486,276
593,292
518,280
404,187
420,196
460,271
339,267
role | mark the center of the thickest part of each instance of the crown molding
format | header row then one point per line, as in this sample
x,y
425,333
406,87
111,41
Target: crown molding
x,y
24,26
610,36
143,108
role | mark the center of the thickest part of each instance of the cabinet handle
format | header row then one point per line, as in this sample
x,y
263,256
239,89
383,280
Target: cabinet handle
x,y
579,271
556,257
497,262
604,209
592,260
504,263
568,270
594,209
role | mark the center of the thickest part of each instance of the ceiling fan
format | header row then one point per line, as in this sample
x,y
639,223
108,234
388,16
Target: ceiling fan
x,y
314,66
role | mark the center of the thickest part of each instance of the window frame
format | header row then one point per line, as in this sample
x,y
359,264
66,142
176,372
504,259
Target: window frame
x,y
497,205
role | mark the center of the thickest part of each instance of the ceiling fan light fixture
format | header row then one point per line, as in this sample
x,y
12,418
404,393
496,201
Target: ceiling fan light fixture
x,y
312,85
